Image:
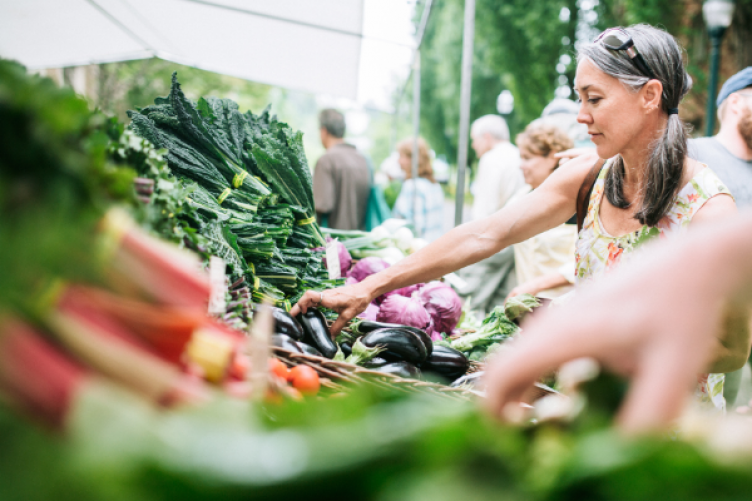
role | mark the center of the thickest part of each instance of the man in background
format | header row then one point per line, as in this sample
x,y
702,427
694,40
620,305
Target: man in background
x,y
497,179
341,179
499,175
729,154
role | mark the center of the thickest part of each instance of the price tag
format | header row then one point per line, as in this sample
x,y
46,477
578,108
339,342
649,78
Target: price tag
x,y
332,260
218,286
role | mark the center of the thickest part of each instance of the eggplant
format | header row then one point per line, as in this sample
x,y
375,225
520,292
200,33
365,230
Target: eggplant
x,y
366,326
308,349
346,348
446,362
400,345
284,323
401,369
286,342
316,332
375,362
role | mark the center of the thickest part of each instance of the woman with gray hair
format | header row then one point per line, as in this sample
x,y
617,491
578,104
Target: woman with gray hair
x,y
630,82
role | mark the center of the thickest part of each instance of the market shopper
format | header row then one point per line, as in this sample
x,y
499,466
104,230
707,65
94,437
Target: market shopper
x,y
659,336
420,201
649,190
544,264
729,154
341,179
498,178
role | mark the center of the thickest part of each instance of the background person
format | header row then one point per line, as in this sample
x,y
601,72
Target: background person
x,y
341,179
428,221
729,154
544,264
650,190
497,179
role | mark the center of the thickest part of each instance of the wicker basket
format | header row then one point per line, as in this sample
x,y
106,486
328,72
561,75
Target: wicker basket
x,y
334,373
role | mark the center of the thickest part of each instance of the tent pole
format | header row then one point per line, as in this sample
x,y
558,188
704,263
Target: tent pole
x,y
416,132
468,35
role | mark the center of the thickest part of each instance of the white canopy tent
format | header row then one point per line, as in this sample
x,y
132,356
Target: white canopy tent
x,y
314,46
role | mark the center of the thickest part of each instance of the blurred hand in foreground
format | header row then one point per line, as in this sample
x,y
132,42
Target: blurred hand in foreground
x,y
654,321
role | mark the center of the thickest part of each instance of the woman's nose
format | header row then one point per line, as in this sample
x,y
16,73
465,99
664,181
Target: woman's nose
x,y
583,117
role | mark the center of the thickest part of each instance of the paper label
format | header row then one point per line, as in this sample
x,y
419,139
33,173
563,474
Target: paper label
x,y
332,260
218,286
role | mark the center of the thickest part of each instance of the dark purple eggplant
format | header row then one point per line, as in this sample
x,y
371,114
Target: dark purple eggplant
x,y
308,349
346,348
375,362
366,326
400,345
316,332
287,343
446,362
284,323
401,369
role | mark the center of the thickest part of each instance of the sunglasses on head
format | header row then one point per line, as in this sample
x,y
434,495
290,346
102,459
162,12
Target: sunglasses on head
x,y
619,39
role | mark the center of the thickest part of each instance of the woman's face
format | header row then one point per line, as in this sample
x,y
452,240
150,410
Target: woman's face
x,y
406,163
536,168
616,117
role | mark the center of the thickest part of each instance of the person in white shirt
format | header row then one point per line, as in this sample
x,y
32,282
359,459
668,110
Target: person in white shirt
x,y
499,175
498,178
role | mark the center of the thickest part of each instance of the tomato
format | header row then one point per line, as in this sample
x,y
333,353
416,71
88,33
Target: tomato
x,y
305,379
278,368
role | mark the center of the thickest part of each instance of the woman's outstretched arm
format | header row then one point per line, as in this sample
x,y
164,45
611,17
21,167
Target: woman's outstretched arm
x,y
552,204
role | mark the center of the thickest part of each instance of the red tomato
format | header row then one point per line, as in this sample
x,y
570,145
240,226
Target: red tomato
x,y
278,368
305,379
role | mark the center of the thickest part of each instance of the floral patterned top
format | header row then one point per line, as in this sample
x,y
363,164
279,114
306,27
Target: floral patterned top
x,y
596,251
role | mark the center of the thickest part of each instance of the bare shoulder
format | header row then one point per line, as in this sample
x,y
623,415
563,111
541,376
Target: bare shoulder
x,y
718,207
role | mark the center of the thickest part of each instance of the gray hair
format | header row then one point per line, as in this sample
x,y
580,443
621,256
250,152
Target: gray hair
x,y
494,125
333,121
666,162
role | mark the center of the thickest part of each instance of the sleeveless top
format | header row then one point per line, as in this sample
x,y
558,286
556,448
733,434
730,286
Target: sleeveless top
x,y
597,252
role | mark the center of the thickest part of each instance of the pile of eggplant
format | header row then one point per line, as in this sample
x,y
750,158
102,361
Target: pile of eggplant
x,y
405,351
408,351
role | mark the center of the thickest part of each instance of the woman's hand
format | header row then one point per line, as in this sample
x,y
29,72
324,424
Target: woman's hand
x,y
655,321
567,155
348,301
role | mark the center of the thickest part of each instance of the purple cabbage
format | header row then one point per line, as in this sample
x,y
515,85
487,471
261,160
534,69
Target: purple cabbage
x,y
371,312
403,310
404,291
366,267
443,304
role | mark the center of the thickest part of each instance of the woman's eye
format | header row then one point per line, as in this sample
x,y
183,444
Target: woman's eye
x,y
594,100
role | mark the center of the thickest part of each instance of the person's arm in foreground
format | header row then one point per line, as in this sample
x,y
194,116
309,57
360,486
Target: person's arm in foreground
x,y
545,208
654,320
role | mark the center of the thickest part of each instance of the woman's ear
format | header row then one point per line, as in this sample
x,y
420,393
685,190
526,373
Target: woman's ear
x,y
652,92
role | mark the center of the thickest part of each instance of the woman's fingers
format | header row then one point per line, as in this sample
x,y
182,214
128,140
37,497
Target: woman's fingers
x,y
309,299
